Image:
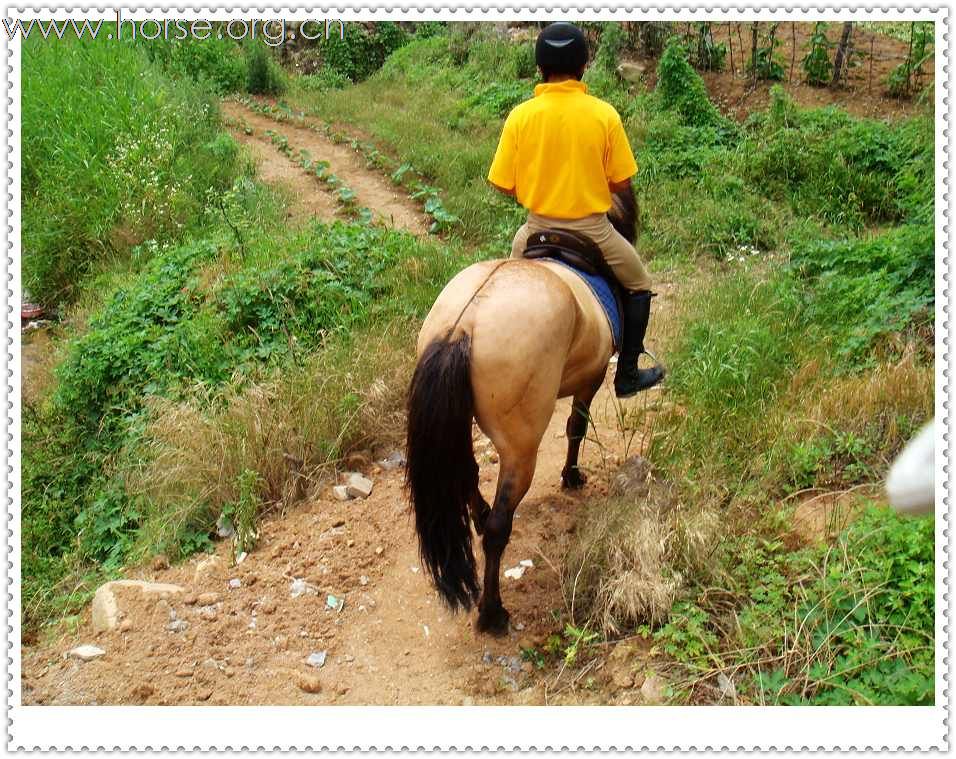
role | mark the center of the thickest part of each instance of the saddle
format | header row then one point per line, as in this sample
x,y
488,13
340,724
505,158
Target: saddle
x,y
578,252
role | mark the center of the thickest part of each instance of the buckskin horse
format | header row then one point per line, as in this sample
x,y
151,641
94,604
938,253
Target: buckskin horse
x,y
502,343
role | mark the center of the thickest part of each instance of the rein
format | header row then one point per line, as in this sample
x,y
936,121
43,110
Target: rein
x,y
473,296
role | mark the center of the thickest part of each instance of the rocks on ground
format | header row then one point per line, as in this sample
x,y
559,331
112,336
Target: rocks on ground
x,y
107,611
86,652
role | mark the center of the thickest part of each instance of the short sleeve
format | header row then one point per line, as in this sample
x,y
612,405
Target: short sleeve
x,y
502,171
619,164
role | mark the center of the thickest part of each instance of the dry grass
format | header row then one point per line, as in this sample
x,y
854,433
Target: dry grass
x,y
291,430
633,555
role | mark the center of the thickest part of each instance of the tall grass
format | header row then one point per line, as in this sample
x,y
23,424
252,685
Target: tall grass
x,y
114,153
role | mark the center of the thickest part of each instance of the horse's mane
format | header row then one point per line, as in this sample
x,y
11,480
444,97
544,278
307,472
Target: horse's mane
x,y
624,214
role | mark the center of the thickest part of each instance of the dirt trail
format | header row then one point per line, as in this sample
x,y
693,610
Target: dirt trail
x,y
373,191
391,642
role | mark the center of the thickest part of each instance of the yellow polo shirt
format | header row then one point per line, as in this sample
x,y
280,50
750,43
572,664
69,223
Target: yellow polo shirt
x,y
559,150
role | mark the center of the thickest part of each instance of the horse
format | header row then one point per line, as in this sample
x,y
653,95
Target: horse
x,y
504,340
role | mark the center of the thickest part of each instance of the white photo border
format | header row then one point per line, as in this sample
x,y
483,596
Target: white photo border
x,y
458,728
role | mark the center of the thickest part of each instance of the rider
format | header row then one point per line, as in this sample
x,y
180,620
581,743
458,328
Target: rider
x,y
561,155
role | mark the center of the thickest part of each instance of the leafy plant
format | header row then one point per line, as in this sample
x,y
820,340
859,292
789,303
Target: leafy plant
x,y
817,66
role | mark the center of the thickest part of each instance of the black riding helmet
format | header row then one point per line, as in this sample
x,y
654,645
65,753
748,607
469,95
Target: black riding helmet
x,y
561,49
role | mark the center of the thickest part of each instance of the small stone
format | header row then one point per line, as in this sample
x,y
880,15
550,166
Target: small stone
x,y
519,626
204,694
622,679
394,460
126,625
308,682
358,486
184,672
235,582
160,562
207,599
631,72
268,606
210,664
224,528
363,580
341,493
142,691
379,551
86,652
349,658
727,687
317,659
190,599
653,689
349,543
178,626
342,690
208,613
515,573
526,563
281,642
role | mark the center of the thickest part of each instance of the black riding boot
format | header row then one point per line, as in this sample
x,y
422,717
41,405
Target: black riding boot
x,y
630,380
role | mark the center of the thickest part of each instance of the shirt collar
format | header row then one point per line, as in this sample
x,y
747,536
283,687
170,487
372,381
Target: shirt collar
x,y
569,85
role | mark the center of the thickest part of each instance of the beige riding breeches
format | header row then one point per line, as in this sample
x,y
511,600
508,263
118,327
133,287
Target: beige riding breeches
x,y
618,252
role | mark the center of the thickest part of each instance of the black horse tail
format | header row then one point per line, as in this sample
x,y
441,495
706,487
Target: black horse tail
x,y
441,474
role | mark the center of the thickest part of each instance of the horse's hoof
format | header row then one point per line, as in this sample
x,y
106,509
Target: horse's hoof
x,y
493,622
573,480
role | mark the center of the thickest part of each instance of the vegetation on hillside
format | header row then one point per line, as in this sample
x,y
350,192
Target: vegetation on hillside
x,y
801,360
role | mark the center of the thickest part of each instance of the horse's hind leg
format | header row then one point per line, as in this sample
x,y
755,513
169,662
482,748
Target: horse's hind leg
x,y
571,476
516,436
514,479
479,509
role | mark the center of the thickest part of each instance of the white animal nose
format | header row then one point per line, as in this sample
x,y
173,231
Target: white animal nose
x,y
911,482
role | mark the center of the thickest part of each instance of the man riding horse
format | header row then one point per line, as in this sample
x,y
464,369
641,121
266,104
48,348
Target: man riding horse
x,y
561,155
506,338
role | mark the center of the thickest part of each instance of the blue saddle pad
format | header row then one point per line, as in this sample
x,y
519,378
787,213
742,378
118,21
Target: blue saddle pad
x,y
605,296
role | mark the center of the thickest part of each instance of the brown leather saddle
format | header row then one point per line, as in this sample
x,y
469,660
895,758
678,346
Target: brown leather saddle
x,y
578,252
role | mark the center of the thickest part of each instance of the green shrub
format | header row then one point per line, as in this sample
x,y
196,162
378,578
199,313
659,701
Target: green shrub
x,y
680,88
866,288
816,64
263,76
216,62
362,51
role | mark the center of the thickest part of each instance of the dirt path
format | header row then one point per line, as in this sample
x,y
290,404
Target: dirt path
x,y
391,642
373,191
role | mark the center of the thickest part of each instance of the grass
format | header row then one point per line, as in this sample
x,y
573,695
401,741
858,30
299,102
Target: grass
x,y
108,166
800,363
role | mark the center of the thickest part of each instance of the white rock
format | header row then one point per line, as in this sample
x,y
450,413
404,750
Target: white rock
x,y
526,563
224,528
358,486
106,608
515,573
341,493
235,582
86,652
317,659
178,626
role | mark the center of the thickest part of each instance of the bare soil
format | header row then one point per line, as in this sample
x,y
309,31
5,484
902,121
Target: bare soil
x,y
391,642
862,94
375,192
